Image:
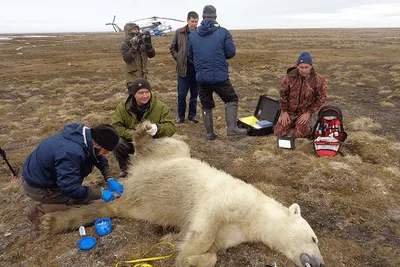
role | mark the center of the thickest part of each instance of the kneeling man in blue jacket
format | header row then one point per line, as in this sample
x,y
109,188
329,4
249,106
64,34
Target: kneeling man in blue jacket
x,y
53,173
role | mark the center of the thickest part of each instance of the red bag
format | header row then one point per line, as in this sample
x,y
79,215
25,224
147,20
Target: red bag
x,y
328,132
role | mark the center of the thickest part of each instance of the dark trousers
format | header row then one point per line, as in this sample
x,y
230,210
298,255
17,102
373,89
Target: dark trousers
x,y
50,195
184,84
224,90
122,153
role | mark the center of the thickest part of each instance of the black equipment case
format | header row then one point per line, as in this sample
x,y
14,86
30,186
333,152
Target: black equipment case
x,y
265,116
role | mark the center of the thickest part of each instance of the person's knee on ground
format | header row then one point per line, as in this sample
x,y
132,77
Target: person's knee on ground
x,y
282,130
231,109
302,130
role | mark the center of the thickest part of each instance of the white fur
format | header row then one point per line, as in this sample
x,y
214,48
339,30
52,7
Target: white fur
x,y
213,209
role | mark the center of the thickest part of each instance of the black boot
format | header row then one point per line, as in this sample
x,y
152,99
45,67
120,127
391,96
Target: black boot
x,y
231,109
208,124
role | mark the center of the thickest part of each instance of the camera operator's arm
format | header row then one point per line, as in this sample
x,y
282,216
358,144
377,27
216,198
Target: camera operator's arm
x,y
128,52
149,46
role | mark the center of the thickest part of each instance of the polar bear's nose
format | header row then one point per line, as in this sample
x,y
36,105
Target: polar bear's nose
x,y
311,261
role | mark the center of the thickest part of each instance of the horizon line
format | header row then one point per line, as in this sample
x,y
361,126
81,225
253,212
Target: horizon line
x,y
246,29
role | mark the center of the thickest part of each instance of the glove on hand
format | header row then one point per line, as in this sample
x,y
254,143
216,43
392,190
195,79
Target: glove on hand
x,y
114,186
147,40
107,195
153,129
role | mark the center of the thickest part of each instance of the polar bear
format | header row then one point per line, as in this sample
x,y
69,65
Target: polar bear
x,y
212,209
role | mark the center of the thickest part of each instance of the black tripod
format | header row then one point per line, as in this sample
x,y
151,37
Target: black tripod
x,y
3,155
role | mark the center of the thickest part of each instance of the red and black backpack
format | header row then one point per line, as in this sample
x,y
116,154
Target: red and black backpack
x,y
328,132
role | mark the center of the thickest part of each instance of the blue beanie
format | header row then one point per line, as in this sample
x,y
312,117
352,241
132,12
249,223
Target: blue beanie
x,y
304,57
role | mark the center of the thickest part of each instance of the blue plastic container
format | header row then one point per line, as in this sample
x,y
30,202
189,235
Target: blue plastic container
x,y
103,226
87,242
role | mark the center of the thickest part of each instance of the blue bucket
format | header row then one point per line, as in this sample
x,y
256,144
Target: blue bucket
x,y
103,226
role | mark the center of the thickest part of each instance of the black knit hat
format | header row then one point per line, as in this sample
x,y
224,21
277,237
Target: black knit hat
x,y
209,11
105,135
138,84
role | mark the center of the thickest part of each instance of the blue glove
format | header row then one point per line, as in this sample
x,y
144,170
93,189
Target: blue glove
x,y
113,185
107,195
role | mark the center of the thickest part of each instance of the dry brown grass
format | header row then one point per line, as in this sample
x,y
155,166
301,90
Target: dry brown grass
x,y
351,201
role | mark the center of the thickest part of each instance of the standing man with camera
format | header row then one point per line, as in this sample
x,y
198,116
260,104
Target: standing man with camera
x,y
209,47
185,69
136,49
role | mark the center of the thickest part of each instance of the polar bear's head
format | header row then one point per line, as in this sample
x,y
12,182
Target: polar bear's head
x,y
297,240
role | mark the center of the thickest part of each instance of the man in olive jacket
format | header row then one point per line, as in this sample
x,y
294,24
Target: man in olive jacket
x,y
141,105
136,50
185,69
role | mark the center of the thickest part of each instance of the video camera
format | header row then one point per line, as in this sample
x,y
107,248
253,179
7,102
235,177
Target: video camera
x,y
142,37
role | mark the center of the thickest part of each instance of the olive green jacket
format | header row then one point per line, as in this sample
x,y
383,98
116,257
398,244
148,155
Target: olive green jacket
x,y
125,121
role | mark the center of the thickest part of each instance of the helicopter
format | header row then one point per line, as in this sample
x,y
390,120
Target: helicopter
x,y
154,25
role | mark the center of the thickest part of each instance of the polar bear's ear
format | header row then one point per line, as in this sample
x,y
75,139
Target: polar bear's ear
x,y
294,209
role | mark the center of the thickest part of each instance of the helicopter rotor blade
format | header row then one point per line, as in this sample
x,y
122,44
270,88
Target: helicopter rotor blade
x,y
118,28
111,23
171,19
155,18
114,25
142,19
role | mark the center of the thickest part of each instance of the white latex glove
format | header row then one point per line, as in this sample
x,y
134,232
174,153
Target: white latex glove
x,y
153,129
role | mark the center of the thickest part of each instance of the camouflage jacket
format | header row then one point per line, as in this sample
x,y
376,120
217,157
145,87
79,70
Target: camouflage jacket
x,y
299,94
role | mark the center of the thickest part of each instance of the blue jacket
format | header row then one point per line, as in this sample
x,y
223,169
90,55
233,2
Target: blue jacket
x,y
209,48
63,160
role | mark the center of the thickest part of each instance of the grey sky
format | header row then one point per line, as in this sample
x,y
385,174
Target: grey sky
x,y
44,16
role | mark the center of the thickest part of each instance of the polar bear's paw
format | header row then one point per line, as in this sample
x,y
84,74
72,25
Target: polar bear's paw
x,y
203,260
47,225
57,222
142,130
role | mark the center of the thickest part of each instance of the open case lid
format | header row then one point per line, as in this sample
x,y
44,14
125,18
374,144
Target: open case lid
x,y
267,109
